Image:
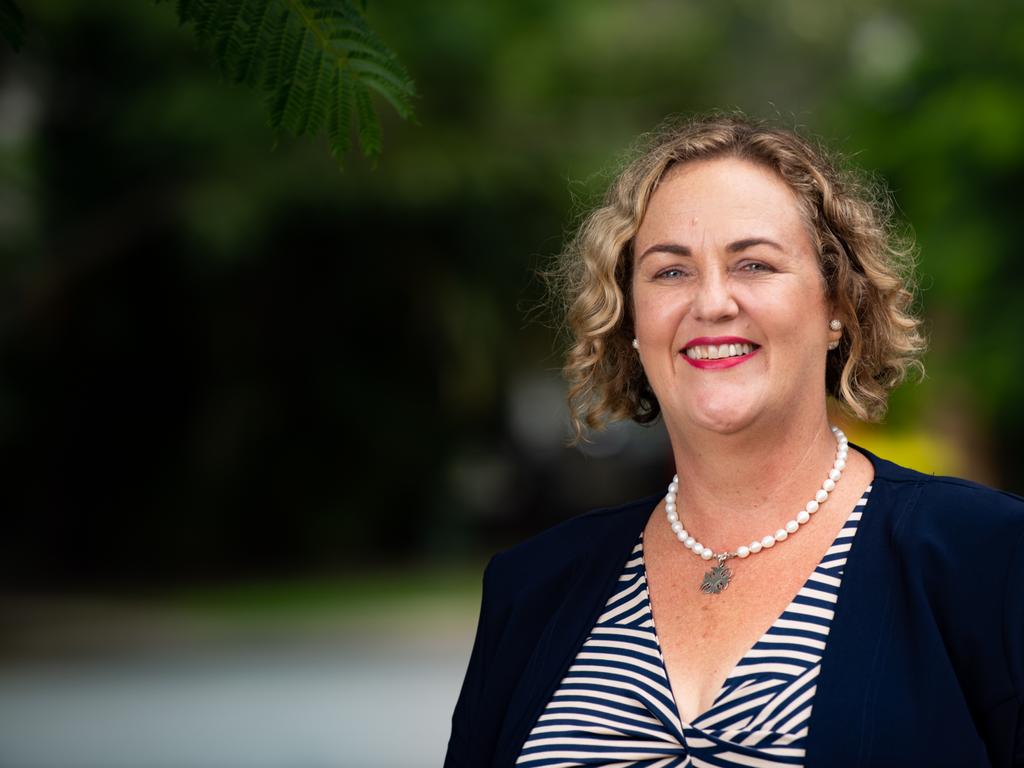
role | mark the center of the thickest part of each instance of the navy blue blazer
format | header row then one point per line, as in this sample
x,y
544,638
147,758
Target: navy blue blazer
x,y
924,663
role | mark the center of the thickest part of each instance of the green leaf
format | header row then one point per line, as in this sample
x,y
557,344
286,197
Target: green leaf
x,y
339,118
12,24
369,127
284,76
317,62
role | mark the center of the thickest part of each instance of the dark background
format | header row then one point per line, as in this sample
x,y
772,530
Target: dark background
x,y
219,360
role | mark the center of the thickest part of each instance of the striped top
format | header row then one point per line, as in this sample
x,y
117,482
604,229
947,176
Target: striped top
x,y
615,708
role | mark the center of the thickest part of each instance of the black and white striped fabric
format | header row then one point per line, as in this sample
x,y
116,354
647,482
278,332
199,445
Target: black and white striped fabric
x,y
614,707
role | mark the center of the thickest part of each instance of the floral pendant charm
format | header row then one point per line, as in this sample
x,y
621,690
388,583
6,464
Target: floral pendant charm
x,y
716,579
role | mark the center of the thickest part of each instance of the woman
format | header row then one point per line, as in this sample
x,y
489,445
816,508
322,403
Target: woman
x,y
790,599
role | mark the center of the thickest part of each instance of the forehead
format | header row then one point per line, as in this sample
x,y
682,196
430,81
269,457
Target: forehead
x,y
722,199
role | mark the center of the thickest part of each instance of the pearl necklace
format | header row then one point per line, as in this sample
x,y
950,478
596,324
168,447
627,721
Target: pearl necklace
x,y
718,578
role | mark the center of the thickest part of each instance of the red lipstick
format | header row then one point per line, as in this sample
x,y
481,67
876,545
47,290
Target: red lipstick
x,y
724,362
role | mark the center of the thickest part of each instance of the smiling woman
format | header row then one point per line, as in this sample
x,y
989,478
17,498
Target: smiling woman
x,y
827,614
864,264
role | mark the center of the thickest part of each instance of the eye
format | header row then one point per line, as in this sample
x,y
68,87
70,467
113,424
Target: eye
x,y
670,273
755,267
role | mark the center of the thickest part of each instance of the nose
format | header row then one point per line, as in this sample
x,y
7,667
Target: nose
x,y
714,300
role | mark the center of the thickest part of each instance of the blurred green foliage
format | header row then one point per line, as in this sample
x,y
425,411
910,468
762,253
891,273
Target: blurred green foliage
x,y
317,60
12,24
219,360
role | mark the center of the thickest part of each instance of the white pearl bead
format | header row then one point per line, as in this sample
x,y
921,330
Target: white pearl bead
x,y
670,498
821,496
755,547
689,542
670,507
675,478
768,541
673,487
841,464
681,535
812,506
829,485
835,474
672,516
742,552
792,526
677,526
781,535
697,547
706,554
802,516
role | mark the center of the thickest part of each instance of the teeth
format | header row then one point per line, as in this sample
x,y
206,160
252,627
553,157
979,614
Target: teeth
x,y
716,352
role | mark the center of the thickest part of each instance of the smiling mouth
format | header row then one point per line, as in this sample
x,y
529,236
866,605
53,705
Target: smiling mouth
x,y
719,351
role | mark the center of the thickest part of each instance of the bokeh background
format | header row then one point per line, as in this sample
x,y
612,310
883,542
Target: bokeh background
x,y
262,421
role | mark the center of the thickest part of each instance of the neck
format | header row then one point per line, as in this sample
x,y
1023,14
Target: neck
x,y
734,488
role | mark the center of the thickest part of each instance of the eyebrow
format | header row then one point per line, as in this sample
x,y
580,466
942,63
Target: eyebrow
x,y
750,242
734,247
675,250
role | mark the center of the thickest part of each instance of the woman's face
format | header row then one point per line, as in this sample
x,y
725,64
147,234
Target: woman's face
x,y
728,299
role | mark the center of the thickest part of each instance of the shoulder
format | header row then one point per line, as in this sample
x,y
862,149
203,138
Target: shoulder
x,y
558,549
927,502
960,543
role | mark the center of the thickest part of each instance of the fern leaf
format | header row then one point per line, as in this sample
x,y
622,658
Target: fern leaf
x,y
382,73
296,102
400,100
225,36
204,15
12,24
369,126
316,60
251,65
281,74
317,95
339,120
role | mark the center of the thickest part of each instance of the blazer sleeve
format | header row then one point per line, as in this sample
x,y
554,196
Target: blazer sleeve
x,y
461,742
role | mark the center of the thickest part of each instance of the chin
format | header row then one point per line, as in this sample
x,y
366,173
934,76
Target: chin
x,y
724,410
725,426
724,421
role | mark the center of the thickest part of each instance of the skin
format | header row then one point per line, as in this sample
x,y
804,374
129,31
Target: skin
x,y
723,250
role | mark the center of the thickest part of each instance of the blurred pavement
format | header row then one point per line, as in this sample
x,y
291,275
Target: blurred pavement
x,y
372,696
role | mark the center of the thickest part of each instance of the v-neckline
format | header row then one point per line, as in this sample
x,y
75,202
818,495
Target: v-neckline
x,y
693,724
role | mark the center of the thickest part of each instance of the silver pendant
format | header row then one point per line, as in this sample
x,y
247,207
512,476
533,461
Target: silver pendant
x,y
716,579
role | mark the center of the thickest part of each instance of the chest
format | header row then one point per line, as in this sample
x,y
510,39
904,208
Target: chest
x,y
704,637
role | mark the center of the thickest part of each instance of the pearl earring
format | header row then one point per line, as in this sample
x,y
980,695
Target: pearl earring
x,y
636,344
836,325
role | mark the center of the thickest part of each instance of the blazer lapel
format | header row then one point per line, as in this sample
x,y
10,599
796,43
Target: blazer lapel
x,y
594,576
840,727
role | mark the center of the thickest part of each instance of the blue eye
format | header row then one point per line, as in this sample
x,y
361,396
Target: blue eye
x,y
672,272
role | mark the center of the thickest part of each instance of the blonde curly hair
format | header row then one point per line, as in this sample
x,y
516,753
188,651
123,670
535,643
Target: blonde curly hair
x,y
866,263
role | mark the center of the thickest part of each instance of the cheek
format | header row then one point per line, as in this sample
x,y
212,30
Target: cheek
x,y
656,314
